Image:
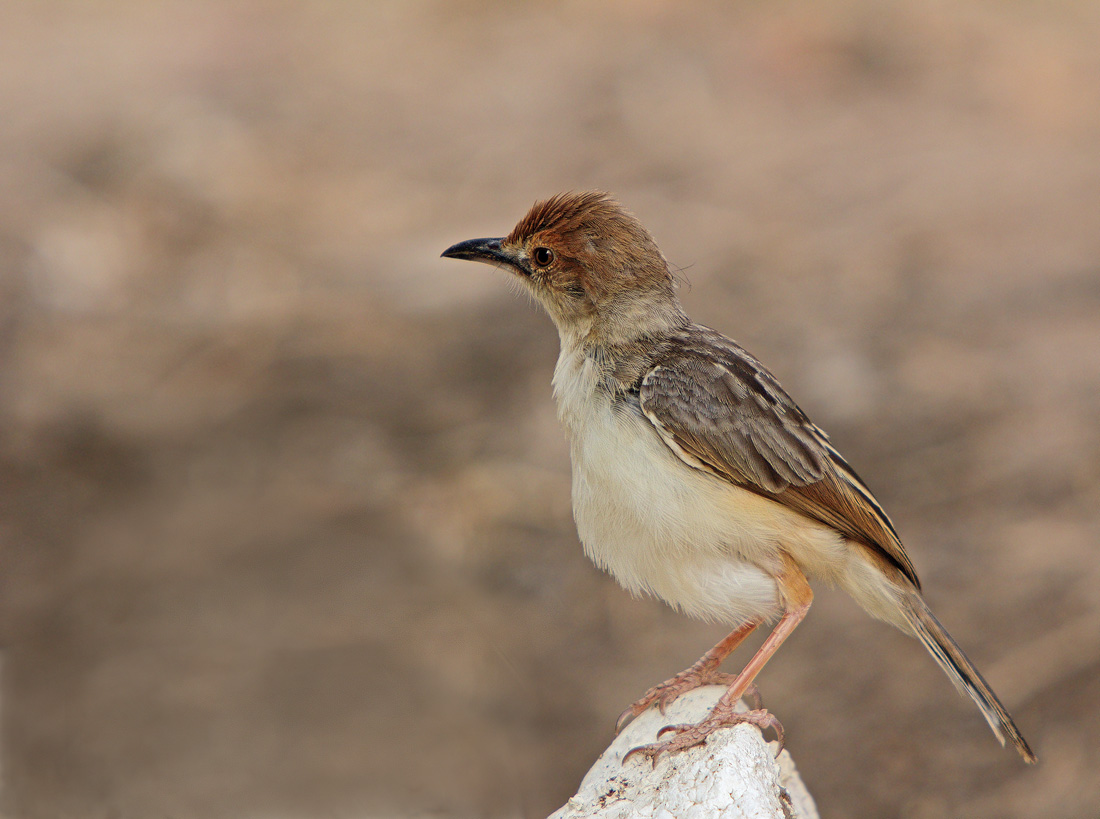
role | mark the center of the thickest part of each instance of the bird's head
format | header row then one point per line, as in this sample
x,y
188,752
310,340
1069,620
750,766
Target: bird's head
x,y
590,263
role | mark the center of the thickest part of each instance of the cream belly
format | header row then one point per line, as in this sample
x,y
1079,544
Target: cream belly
x,y
661,527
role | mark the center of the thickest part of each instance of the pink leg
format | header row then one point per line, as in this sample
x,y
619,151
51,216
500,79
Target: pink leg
x,y
798,595
703,672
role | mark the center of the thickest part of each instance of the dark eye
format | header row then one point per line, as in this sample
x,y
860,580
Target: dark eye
x,y
543,256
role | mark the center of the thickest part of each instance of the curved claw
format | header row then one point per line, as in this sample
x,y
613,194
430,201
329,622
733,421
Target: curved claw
x,y
651,752
765,719
624,718
768,720
644,750
669,728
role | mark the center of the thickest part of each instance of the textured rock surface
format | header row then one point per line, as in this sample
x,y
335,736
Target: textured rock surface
x,y
734,775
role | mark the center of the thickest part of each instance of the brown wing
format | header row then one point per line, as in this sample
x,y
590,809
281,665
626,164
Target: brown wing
x,y
720,410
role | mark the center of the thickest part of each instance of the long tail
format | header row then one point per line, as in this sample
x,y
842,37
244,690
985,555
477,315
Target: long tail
x,y
962,672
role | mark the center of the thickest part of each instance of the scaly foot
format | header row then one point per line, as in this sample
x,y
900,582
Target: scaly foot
x,y
667,692
688,736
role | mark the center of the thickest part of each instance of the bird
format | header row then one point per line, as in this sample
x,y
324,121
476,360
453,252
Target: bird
x,y
696,478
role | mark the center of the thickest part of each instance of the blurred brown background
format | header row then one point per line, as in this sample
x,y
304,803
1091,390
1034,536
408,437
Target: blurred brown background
x,y
286,526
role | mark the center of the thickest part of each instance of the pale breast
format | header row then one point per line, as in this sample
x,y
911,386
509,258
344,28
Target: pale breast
x,y
659,526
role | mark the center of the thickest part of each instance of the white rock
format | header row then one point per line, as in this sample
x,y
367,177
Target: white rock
x,y
734,775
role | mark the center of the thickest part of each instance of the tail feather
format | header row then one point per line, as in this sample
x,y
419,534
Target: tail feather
x,y
962,672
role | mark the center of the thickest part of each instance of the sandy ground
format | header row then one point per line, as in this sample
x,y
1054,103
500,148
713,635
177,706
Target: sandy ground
x,y
285,514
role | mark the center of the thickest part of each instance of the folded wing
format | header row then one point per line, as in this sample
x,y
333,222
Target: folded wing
x,y
721,411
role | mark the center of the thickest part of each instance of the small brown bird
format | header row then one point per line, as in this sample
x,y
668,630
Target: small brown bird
x,y
696,478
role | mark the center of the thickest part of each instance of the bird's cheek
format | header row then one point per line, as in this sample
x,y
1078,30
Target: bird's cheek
x,y
573,291
568,294
574,307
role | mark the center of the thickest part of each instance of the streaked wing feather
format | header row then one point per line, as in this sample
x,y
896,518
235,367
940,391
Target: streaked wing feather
x,y
720,410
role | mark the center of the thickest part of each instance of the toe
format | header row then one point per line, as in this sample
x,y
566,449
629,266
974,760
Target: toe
x,y
625,717
668,729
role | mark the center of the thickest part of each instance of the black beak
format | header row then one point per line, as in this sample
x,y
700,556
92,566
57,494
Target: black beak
x,y
480,250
